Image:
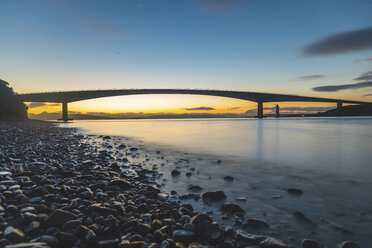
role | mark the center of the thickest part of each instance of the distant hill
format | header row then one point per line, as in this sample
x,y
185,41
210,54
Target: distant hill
x,y
351,110
10,106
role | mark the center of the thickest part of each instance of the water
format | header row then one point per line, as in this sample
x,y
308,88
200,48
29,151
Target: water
x,y
328,158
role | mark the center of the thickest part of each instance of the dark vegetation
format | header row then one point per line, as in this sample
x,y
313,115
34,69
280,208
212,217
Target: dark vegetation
x,y
10,106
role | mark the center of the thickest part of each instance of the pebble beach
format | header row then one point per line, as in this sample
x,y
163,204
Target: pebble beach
x,y
59,190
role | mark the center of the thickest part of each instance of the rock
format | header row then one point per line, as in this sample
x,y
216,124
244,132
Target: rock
x,y
58,218
270,242
33,227
348,244
50,240
255,223
194,187
13,234
109,243
120,183
125,244
294,191
175,172
228,178
303,218
183,236
29,245
249,239
309,243
242,199
214,196
70,225
91,238
231,208
103,210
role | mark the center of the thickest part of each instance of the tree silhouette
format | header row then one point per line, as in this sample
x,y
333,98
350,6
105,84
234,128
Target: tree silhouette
x,y
10,106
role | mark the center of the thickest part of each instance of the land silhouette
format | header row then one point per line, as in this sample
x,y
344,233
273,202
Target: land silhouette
x,y
10,106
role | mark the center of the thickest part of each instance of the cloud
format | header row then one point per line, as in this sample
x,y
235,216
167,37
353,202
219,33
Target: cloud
x,y
358,61
90,21
41,104
119,54
365,95
217,6
350,41
332,88
201,108
311,77
365,76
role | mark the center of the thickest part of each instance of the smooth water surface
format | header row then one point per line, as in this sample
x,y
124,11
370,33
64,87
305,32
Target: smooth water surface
x,y
338,145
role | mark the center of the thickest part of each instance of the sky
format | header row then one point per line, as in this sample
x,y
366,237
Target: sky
x,y
313,48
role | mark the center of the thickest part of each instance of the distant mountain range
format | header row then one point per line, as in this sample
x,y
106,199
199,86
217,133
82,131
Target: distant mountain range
x,y
351,110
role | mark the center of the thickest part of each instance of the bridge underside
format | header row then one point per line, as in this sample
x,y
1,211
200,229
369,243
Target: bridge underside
x,y
260,98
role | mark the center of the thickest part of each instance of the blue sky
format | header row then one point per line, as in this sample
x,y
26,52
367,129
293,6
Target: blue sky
x,y
253,45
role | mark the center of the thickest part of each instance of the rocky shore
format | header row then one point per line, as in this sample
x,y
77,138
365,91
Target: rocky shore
x,y
56,190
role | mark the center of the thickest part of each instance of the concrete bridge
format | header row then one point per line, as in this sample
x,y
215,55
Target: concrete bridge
x,y
66,97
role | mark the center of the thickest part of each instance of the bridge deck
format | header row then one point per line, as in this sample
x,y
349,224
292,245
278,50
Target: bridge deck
x,y
73,96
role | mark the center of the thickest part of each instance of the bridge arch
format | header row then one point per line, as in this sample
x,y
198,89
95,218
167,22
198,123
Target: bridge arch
x,y
66,97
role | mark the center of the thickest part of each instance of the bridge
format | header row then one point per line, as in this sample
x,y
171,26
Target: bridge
x,y
66,97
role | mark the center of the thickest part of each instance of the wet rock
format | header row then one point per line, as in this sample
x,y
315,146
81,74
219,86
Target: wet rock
x,y
214,196
120,183
29,245
228,178
309,243
270,242
255,223
58,218
194,187
348,244
242,199
299,215
295,191
109,243
183,236
231,208
249,239
91,238
13,234
50,240
103,210
175,172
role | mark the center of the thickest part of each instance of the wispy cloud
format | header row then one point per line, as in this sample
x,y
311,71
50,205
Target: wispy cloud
x,y
360,61
365,76
353,86
218,6
312,77
88,20
119,54
200,108
350,41
365,95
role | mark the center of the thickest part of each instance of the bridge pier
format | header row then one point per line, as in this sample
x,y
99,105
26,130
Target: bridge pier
x,y
339,105
64,113
259,109
277,114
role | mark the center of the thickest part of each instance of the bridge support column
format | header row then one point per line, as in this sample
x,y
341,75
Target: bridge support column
x,y
277,114
259,109
64,113
339,105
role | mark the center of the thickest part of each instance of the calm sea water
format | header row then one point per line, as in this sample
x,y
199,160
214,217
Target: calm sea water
x,y
330,159
339,145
